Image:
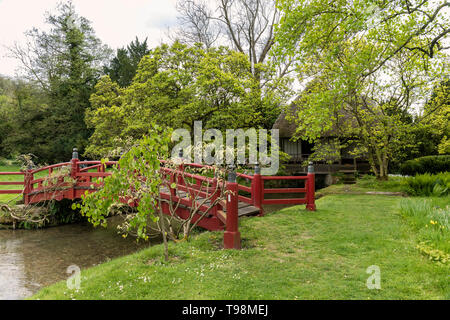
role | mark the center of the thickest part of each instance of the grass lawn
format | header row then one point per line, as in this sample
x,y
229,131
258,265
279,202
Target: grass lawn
x,y
289,254
365,184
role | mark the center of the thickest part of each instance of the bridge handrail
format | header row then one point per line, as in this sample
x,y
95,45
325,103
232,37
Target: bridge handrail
x,y
11,183
11,173
53,166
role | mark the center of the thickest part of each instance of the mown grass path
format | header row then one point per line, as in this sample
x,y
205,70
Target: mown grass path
x,y
290,254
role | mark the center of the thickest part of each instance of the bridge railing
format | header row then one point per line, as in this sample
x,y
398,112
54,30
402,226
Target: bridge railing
x,y
257,191
226,211
84,174
12,183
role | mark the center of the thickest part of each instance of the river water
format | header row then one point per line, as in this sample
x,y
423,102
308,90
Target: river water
x,y
32,259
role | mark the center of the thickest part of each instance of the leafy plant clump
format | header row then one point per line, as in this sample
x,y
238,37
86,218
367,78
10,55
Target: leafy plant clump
x,y
429,185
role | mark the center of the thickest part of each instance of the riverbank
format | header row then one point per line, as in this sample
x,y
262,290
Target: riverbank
x,y
289,254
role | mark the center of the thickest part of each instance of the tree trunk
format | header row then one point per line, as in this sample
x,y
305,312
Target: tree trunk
x,y
384,164
373,164
162,227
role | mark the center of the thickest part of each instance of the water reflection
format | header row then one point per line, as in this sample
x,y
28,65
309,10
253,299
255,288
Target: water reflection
x,y
30,260
12,274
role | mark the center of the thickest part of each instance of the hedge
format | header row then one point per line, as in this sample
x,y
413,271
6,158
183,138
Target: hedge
x,y
429,164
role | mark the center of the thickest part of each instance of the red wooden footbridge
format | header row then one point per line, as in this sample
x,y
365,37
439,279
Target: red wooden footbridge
x,y
242,200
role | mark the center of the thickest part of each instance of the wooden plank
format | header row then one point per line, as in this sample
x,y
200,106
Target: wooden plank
x,y
248,211
222,216
11,191
244,188
243,204
284,177
93,174
11,183
285,190
11,173
245,199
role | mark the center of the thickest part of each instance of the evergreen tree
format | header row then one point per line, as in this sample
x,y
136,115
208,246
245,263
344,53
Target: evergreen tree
x,y
123,66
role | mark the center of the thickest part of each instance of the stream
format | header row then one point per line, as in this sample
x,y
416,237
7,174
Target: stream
x,y
32,259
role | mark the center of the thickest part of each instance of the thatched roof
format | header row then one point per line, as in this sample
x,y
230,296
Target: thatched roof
x,y
287,128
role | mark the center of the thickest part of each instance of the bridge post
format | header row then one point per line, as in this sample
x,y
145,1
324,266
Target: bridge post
x,y
180,169
74,163
232,236
310,189
28,177
257,189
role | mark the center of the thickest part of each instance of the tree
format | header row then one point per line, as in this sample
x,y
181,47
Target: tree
x,y
178,85
106,116
436,116
369,58
23,127
247,26
66,62
123,66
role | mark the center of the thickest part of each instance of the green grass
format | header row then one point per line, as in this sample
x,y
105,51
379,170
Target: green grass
x,y
290,254
365,184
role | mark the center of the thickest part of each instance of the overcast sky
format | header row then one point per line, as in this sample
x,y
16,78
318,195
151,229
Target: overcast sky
x,y
116,22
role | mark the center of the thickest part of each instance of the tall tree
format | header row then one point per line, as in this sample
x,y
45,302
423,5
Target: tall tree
x,y
247,26
66,61
123,66
370,57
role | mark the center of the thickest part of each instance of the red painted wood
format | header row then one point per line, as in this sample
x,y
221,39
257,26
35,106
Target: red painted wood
x,y
245,199
285,190
11,191
245,188
37,180
93,174
232,236
284,177
243,175
257,192
311,206
16,183
64,164
12,173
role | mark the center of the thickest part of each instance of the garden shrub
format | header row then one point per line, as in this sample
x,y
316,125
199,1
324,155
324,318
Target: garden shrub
x,y
429,164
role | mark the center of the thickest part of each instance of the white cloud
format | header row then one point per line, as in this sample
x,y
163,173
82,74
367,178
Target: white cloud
x,y
116,22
